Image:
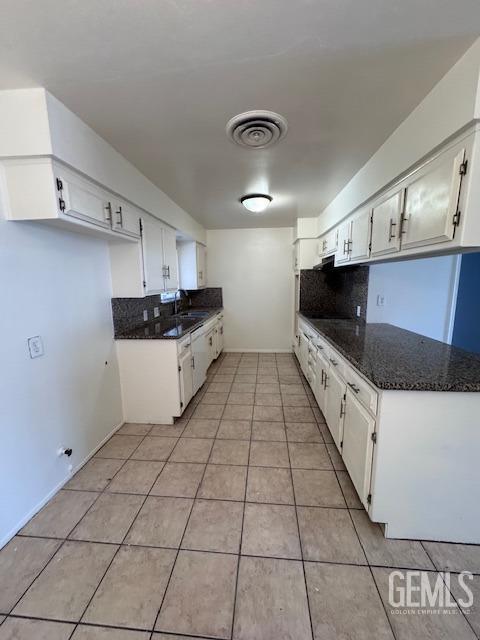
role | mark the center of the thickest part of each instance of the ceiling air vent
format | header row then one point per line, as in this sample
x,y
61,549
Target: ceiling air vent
x,y
257,129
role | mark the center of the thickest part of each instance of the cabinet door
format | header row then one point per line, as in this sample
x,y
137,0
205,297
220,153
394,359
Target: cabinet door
x,y
185,374
319,390
125,218
170,259
386,222
360,236
83,200
431,202
152,250
344,242
335,405
358,445
303,353
220,338
201,265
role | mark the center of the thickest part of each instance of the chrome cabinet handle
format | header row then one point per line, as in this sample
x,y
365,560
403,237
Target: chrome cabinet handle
x,y
342,409
325,380
193,362
353,387
391,235
108,216
119,216
323,374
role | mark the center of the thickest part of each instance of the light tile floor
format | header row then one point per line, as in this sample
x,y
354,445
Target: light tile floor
x,y
239,521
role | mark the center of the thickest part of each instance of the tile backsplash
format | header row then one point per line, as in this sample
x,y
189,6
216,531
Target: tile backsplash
x,y
334,292
128,312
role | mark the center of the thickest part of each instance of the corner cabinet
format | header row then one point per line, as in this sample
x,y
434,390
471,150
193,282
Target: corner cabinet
x,y
192,264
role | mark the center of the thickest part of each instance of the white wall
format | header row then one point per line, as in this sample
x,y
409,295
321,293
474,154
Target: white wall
x,y
55,284
34,123
254,267
419,295
451,105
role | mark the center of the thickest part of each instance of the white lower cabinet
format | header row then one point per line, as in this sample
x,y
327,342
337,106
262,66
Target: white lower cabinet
x,y
401,449
160,377
303,352
357,444
185,375
335,389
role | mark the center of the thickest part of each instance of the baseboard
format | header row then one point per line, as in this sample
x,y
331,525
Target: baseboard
x,y
258,350
55,490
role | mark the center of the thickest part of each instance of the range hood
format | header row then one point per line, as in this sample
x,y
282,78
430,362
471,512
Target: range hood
x,y
326,263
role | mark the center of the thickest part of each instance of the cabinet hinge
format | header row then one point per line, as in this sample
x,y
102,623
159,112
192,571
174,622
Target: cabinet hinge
x,y
144,284
456,218
179,368
59,184
181,405
463,168
371,218
140,223
369,498
374,437
61,204
341,444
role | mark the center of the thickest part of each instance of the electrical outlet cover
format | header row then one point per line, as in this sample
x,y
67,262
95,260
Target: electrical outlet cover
x,y
35,347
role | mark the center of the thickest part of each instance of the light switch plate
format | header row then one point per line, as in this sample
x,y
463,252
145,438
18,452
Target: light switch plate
x,y
35,347
380,300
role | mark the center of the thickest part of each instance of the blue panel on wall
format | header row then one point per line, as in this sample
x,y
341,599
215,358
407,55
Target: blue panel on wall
x,y
466,328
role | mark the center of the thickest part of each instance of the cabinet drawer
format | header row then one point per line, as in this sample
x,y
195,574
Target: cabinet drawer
x,y
362,391
183,345
322,346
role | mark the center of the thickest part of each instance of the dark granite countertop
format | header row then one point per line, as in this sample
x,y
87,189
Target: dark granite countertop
x,y
396,359
171,328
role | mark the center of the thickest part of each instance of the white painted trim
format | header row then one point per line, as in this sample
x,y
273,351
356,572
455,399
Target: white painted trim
x,y
258,350
453,292
55,490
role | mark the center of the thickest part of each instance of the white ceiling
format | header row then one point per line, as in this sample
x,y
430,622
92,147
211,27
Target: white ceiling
x,y
160,78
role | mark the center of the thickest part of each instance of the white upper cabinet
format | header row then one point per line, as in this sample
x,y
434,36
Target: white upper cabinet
x,y
431,201
170,259
192,264
328,243
360,236
386,224
201,253
152,251
344,242
159,254
305,254
125,218
81,199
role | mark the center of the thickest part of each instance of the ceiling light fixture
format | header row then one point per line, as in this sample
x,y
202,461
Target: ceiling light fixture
x,y
256,202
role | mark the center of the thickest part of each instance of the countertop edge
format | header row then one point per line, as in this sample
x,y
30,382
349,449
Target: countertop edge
x,y
194,327
388,386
